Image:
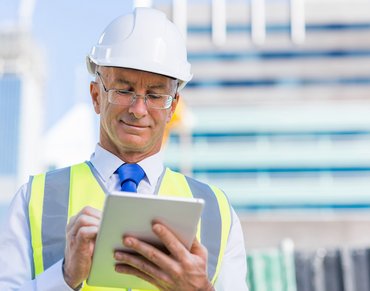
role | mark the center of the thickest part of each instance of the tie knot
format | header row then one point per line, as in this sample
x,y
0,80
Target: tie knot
x,y
129,174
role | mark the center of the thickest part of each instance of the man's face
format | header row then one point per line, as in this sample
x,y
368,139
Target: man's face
x,y
132,132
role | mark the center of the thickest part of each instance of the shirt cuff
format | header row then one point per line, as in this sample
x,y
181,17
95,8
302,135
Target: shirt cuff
x,y
52,279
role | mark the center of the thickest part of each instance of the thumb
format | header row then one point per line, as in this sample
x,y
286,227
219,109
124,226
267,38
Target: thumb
x,y
198,249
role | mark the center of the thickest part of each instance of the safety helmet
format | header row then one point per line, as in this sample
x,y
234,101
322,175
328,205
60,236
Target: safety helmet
x,y
144,40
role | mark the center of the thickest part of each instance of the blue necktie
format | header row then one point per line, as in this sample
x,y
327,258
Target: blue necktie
x,y
130,176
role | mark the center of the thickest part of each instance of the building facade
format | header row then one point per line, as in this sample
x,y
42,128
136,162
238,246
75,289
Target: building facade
x,y
21,105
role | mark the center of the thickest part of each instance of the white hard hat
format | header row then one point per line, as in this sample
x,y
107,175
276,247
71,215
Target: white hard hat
x,y
144,40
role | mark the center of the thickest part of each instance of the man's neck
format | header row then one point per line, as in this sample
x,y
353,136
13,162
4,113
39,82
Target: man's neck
x,y
129,156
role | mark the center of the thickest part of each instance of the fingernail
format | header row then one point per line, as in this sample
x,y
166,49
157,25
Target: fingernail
x,y
118,268
128,242
118,256
157,228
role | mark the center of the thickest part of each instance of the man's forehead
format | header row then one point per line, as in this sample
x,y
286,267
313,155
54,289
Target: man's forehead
x,y
132,77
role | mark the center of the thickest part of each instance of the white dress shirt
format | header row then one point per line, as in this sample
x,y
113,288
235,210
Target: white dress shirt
x,y
15,243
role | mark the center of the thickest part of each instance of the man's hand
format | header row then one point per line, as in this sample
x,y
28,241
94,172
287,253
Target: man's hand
x,y
80,241
180,270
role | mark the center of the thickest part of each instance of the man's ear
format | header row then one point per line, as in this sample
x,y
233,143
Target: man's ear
x,y
95,96
173,107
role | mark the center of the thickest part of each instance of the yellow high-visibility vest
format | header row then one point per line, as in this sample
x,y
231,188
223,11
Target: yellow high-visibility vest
x,y
58,195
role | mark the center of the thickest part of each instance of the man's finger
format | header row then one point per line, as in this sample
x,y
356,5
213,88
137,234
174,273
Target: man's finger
x,y
172,243
86,211
140,263
152,254
83,221
86,233
91,211
198,249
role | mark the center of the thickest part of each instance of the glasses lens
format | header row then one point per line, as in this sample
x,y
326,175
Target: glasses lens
x,y
159,101
156,101
120,97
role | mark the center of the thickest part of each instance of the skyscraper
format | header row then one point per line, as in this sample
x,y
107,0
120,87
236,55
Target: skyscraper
x,y
21,106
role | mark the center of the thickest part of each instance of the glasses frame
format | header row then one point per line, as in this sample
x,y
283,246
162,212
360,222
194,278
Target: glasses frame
x,y
134,97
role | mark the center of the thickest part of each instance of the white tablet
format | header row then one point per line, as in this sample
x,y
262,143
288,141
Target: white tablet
x,y
132,214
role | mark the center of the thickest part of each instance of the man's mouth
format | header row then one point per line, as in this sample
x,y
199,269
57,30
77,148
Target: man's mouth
x,y
133,125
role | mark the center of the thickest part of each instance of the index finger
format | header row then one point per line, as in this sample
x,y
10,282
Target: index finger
x,y
91,211
88,211
172,243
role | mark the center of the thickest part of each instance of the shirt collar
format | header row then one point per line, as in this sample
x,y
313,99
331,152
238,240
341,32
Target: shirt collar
x,y
107,163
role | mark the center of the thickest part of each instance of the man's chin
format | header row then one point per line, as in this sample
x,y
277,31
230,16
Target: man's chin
x,y
134,145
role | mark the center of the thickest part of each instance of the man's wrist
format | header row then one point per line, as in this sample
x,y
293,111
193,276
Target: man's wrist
x,y
75,288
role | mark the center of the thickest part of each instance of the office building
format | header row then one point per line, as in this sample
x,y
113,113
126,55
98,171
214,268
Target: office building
x,y
21,106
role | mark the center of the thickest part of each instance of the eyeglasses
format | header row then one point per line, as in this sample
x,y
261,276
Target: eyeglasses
x,y
124,97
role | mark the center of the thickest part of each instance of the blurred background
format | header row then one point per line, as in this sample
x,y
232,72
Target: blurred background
x,y
277,115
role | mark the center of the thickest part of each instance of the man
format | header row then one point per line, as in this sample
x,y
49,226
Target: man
x,y
140,64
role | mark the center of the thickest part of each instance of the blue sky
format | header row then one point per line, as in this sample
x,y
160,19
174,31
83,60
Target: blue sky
x,y
65,30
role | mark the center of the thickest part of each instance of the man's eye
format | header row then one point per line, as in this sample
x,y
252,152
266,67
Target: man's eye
x,y
154,96
124,93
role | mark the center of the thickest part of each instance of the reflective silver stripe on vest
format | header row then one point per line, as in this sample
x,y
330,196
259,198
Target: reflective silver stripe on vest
x,y
55,215
96,176
211,222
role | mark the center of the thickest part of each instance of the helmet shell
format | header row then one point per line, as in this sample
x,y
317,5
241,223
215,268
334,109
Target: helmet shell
x,y
144,40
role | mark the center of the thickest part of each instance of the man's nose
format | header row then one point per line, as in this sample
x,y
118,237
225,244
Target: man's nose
x,y
138,106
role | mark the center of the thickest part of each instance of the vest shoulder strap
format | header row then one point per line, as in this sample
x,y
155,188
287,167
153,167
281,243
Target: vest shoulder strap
x,y
51,206
48,212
